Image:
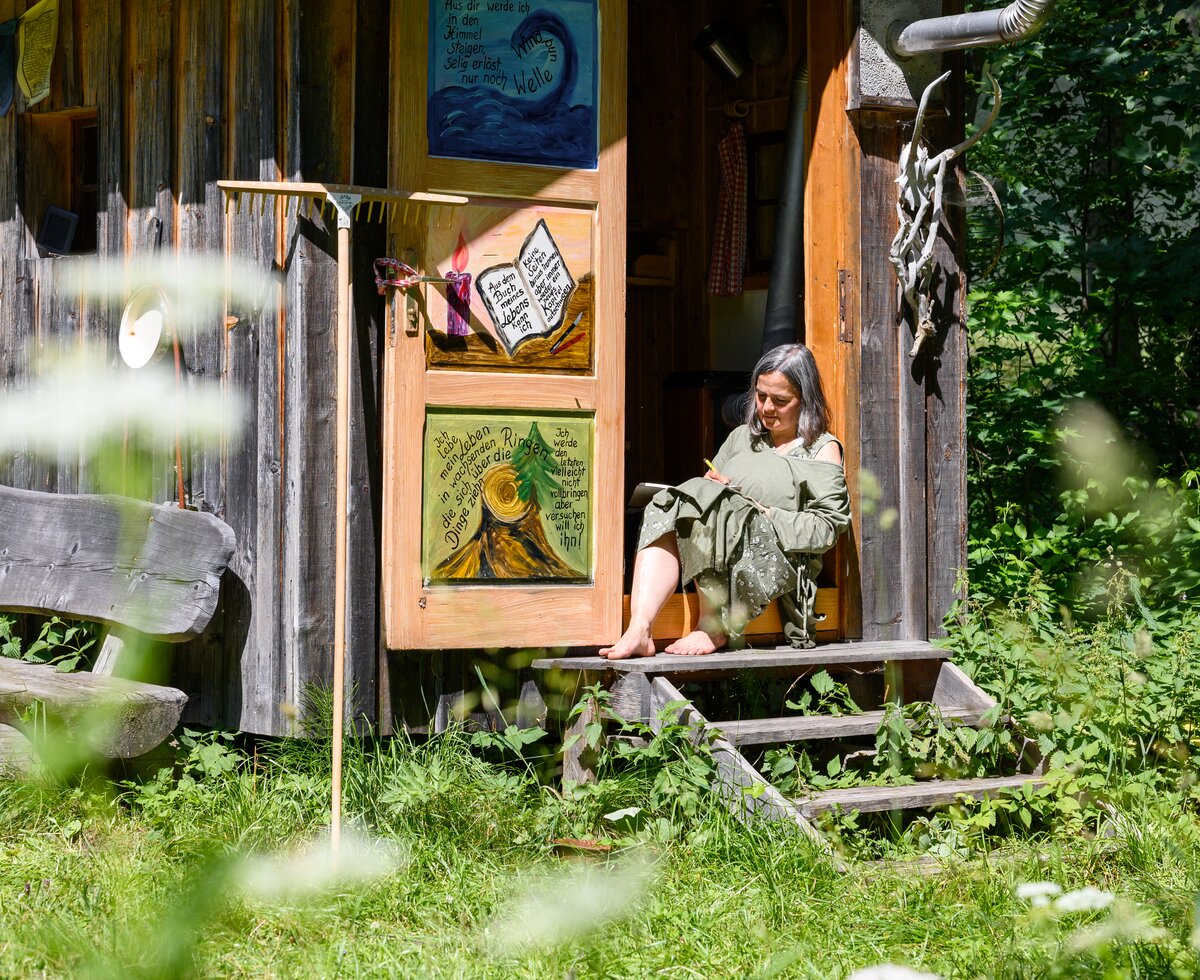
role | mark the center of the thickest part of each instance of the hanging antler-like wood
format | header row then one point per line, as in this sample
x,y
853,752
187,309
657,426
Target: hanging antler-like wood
x,y
919,208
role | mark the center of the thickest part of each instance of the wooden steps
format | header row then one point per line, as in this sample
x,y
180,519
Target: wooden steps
x,y
935,792
901,671
665,664
808,728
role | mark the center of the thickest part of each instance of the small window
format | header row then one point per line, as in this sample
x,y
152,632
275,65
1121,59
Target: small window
x,y
59,178
765,153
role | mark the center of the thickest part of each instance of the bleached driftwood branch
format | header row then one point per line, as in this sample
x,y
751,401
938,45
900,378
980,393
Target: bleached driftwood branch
x,y
919,208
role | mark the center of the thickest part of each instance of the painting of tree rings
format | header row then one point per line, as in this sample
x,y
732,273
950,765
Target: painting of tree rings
x,y
507,497
514,82
521,291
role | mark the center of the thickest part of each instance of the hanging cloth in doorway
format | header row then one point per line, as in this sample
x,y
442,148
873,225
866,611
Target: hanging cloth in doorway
x,y
729,237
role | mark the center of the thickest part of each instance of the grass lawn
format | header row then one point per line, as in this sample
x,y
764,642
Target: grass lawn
x,y
218,868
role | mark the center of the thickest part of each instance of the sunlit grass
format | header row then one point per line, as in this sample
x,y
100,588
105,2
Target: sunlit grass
x,y
226,873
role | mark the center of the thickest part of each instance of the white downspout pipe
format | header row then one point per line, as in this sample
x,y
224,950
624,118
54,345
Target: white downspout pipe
x,y
1016,22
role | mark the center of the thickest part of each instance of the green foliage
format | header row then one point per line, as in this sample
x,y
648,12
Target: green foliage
x,y
1096,156
10,642
65,645
663,771
205,764
672,760
827,697
535,464
99,886
1114,704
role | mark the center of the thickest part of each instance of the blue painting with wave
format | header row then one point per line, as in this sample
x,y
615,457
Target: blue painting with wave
x,y
513,84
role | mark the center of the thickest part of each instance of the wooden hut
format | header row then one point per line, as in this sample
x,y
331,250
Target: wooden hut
x,y
500,419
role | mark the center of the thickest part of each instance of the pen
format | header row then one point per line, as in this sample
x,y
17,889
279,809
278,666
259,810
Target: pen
x,y
572,342
574,324
733,486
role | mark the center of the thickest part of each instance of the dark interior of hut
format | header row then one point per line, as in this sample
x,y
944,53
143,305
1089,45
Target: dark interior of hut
x,y
687,350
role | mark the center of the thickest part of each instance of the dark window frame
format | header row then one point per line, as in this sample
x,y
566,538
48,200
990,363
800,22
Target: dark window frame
x,y
85,184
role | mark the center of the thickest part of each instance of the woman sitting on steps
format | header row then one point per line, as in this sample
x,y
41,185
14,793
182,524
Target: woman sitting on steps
x,y
753,528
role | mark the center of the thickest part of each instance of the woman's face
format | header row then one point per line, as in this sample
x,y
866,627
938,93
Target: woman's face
x,y
778,406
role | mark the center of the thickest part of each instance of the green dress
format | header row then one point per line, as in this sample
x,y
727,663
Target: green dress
x,y
739,557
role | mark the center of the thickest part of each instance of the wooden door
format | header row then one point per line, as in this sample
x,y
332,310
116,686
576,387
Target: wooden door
x,y
504,387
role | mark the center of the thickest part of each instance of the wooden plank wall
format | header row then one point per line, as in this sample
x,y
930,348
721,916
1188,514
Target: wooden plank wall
x,y
188,92
912,422
944,373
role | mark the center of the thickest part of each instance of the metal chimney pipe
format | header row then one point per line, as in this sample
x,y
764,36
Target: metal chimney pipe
x,y
1016,22
784,319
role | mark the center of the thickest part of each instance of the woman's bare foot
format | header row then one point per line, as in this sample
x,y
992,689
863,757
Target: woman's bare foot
x,y
633,643
697,643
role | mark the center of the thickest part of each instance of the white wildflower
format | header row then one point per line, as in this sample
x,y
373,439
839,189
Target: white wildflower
x,y
315,869
1040,720
889,971
81,400
561,908
199,286
1038,893
1090,435
1087,899
1126,924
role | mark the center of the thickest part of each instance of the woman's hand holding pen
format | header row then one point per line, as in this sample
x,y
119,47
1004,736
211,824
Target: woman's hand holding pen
x,y
713,474
718,477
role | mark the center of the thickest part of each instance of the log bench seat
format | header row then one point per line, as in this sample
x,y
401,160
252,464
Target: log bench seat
x,y
149,572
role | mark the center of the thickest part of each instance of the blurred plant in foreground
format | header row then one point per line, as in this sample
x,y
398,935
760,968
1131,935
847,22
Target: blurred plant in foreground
x,y
197,285
120,424
562,908
80,402
1113,520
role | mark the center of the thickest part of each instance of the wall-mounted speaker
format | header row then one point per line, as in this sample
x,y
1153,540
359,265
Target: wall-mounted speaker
x,y
58,231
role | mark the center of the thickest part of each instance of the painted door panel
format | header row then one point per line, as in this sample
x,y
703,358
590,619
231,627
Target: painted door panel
x,y
504,386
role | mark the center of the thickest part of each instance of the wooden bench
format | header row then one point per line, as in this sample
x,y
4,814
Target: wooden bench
x,y
150,572
681,615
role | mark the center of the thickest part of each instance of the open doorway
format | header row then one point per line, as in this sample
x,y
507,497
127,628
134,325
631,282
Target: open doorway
x,y
692,340
686,347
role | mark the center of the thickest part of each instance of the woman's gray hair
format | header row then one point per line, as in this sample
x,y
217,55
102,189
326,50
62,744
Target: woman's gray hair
x,y
795,362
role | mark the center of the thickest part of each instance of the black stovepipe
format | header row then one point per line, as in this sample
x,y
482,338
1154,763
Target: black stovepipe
x,y
783,322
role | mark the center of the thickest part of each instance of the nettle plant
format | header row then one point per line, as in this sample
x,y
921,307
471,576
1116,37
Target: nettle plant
x,y
64,645
654,780
1114,703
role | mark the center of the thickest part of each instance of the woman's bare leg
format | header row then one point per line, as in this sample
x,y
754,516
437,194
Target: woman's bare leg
x,y
709,638
655,575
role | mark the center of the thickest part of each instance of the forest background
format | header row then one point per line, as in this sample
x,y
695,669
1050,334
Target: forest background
x,y
1095,158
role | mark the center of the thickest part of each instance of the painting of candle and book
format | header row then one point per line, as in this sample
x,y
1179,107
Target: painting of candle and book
x,y
520,295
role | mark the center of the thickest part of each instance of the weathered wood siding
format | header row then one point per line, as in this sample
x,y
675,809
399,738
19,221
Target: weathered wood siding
x,y
903,419
188,92
912,417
